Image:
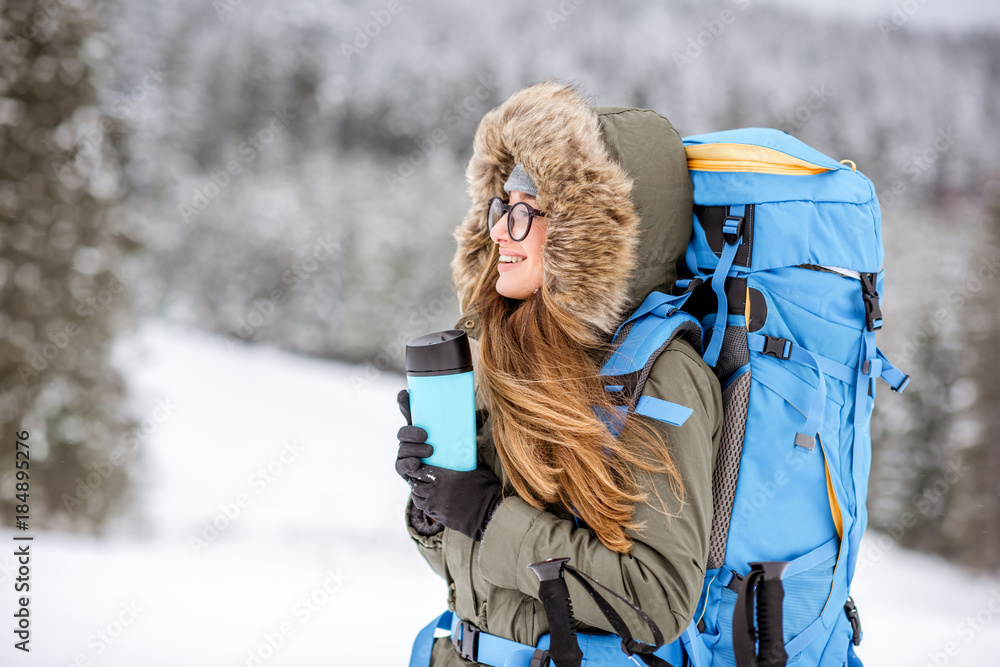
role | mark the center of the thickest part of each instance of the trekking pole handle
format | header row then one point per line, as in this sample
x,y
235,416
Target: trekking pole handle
x,y
564,649
770,594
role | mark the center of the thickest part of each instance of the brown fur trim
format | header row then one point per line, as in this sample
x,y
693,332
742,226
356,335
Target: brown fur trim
x,y
590,245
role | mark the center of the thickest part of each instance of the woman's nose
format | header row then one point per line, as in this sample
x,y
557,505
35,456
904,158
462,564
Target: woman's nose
x,y
499,231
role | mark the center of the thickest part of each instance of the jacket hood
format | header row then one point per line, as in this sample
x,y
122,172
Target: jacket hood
x,y
614,184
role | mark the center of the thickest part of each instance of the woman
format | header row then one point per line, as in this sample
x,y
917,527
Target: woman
x,y
594,213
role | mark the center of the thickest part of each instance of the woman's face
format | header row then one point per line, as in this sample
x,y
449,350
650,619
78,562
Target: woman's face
x,y
520,278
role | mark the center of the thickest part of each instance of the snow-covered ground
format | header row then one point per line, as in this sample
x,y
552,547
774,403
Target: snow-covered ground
x,y
308,563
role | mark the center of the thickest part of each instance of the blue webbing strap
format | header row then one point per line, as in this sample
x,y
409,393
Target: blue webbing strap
x,y
420,656
758,342
500,652
598,649
694,647
806,438
657,300
811,559
868,361
896,378
665,411
711,355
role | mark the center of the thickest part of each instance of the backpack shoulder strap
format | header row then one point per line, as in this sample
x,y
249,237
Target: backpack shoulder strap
x,y
637,344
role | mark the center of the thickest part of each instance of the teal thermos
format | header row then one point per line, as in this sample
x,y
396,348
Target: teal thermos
x,y
443,396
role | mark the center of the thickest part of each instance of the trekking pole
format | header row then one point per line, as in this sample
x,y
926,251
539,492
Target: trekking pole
x,y
763,583
564,650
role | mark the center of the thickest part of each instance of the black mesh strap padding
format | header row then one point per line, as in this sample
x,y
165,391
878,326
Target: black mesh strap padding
x,y
735,401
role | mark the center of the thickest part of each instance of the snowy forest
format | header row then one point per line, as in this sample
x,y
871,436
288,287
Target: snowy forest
x,y
289,174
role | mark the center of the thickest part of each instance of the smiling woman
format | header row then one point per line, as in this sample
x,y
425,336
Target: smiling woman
x,y
552,257
520,262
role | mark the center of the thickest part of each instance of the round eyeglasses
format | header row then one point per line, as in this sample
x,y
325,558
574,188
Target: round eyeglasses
x,y
519,217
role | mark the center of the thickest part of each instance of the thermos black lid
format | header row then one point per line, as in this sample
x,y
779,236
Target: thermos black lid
x,y
439,353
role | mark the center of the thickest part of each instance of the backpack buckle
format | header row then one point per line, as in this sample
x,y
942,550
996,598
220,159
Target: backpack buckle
x,y
540,658
852,615
732,229
466,640
780,348
873,313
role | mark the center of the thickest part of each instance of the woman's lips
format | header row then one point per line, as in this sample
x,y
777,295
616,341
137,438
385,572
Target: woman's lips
x,y
507,266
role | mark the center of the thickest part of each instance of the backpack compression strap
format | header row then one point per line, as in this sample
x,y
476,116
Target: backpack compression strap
x,y
555,605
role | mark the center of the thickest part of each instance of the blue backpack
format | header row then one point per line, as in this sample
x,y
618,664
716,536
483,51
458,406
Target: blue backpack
x,y
786,264
786,270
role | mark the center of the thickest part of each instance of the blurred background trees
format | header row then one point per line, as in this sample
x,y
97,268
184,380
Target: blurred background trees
x,y
291,173
63,283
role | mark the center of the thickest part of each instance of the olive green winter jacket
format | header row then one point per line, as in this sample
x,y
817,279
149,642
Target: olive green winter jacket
x,y
614,184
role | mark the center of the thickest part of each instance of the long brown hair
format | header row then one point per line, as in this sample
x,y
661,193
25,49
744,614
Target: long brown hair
x,y
540,379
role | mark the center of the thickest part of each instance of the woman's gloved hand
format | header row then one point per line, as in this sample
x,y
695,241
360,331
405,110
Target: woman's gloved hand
x,y
461,500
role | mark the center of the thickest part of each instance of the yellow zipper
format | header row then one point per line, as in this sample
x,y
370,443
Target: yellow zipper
x,y
745,157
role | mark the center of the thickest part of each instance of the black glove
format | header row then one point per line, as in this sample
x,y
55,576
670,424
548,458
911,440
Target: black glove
x,y
461,500
412,440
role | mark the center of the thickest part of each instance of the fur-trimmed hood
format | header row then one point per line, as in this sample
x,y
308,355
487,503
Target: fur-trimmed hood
x,y
613,182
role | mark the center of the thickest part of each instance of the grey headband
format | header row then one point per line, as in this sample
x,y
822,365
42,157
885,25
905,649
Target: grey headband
x,y
520,181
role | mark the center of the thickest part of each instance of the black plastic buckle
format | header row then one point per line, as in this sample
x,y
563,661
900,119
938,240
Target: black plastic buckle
x,y
466,640
873,313
736,583
854,618
540,658
777,347
732,237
